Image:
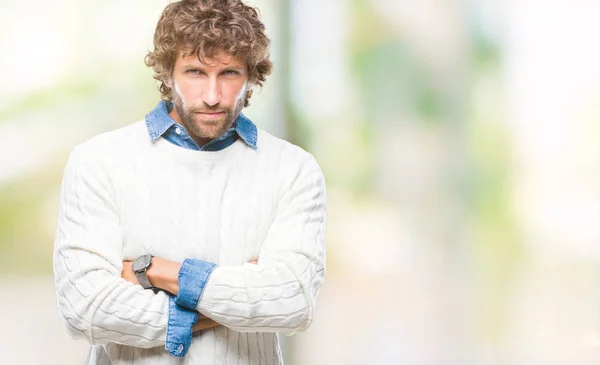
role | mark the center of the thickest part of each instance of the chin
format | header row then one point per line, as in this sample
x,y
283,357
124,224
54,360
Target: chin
x,y
209,128
211,133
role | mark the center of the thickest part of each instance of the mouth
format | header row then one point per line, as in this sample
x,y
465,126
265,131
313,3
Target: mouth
x,y
211,115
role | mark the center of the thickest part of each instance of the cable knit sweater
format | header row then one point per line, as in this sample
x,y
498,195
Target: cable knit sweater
x,y
124,196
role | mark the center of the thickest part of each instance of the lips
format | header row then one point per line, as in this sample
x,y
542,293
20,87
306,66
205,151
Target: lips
x,y
216,115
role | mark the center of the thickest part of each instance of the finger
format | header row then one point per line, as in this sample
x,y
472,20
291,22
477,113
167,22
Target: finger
x,y
255,262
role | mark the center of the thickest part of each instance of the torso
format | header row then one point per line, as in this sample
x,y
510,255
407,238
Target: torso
x,y
217,210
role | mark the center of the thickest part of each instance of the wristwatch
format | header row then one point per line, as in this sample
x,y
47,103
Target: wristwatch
x,y
139,267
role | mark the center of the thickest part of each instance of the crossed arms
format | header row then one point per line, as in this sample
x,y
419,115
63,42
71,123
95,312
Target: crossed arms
x,y
163,274
276,295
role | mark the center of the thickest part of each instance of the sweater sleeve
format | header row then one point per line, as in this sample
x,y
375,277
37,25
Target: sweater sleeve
x,y
279,294
94,301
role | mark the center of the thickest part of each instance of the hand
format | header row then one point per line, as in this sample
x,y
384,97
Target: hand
x,y
128,273
203,323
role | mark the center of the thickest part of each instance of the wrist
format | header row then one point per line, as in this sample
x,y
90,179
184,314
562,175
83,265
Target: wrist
x,y
163,274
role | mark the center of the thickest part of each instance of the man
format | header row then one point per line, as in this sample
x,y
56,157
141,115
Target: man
x,y
192,237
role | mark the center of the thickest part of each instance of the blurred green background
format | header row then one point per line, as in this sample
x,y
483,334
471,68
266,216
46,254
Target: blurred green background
x,y
459,139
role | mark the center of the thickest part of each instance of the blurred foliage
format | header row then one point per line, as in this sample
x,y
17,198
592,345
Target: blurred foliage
x,y
391,77
391,80
42,100
496,248
25,234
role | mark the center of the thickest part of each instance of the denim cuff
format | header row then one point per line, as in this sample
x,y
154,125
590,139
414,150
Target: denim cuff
x,y
179,329
193,276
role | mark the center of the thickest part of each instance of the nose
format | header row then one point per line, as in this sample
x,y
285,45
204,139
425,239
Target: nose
x,y
212,94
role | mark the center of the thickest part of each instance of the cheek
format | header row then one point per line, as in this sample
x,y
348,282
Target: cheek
x,y
179,92
239,92
186,92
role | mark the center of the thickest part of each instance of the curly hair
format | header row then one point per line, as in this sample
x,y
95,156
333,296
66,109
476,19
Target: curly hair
x,y
205,27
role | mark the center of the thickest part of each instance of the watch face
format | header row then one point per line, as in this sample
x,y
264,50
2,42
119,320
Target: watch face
x,y
141,263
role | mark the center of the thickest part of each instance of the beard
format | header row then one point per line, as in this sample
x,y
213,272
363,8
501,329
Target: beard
x,y
203,128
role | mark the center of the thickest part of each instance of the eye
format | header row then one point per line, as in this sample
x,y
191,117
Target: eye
x,y
193,72
231,73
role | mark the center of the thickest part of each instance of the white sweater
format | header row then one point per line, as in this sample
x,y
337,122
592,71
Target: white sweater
x,y
124,196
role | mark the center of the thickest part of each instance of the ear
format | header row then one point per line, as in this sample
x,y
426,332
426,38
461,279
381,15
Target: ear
x,y
247,97
250,85
169,83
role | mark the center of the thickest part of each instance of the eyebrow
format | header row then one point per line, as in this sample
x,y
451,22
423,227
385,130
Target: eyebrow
x,y
201,67
190,67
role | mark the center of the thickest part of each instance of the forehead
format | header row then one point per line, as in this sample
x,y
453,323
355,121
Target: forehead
x,y
221,59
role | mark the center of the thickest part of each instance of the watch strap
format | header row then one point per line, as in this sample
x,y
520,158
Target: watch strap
x,y
143,279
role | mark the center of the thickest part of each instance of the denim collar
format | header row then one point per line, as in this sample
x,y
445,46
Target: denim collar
x,y
158,121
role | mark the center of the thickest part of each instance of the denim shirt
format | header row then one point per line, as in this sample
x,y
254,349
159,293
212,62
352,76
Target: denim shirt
x,y
193,274
160,124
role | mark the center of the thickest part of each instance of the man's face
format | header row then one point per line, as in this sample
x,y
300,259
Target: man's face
x,y
208,97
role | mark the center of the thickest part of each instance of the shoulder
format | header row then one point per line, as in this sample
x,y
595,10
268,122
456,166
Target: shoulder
x,y
108,150
112,144
290,160
115,140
